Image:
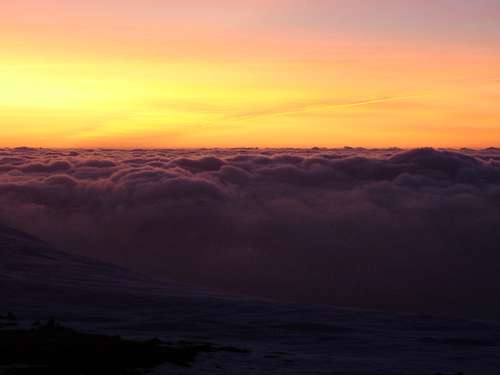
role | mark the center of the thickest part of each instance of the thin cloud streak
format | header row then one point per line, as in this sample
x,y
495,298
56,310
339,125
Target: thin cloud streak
x,y
319,107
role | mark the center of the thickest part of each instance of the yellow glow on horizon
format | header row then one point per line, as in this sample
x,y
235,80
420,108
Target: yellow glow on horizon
x,y
375,99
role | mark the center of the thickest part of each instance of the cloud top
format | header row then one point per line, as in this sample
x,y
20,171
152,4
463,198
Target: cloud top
x,y
392,229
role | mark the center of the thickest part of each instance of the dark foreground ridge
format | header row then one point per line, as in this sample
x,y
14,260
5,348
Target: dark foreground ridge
x,y
50,348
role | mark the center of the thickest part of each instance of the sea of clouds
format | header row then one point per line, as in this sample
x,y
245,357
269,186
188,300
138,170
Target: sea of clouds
x,y
415,230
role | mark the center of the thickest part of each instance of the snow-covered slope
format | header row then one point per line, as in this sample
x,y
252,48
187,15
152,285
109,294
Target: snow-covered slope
x,y
37,281
31,269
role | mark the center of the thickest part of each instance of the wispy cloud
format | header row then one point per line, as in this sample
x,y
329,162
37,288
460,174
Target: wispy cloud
x,y
298,108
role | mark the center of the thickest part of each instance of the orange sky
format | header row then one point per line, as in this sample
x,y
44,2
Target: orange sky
x,y
154,73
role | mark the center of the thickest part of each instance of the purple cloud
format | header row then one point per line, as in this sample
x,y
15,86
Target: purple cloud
x,y
404,230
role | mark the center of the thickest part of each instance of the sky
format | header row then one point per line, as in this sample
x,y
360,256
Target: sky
x,y
274,73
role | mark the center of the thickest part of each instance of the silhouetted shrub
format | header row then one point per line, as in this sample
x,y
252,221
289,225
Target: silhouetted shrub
x,y
56,350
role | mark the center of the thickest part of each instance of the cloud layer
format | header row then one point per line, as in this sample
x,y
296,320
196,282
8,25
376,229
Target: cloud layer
x,y
392,229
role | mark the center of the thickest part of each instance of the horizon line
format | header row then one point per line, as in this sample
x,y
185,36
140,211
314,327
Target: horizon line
x,y
103,148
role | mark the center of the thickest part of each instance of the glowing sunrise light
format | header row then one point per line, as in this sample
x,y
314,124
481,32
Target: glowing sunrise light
x,y
249,73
